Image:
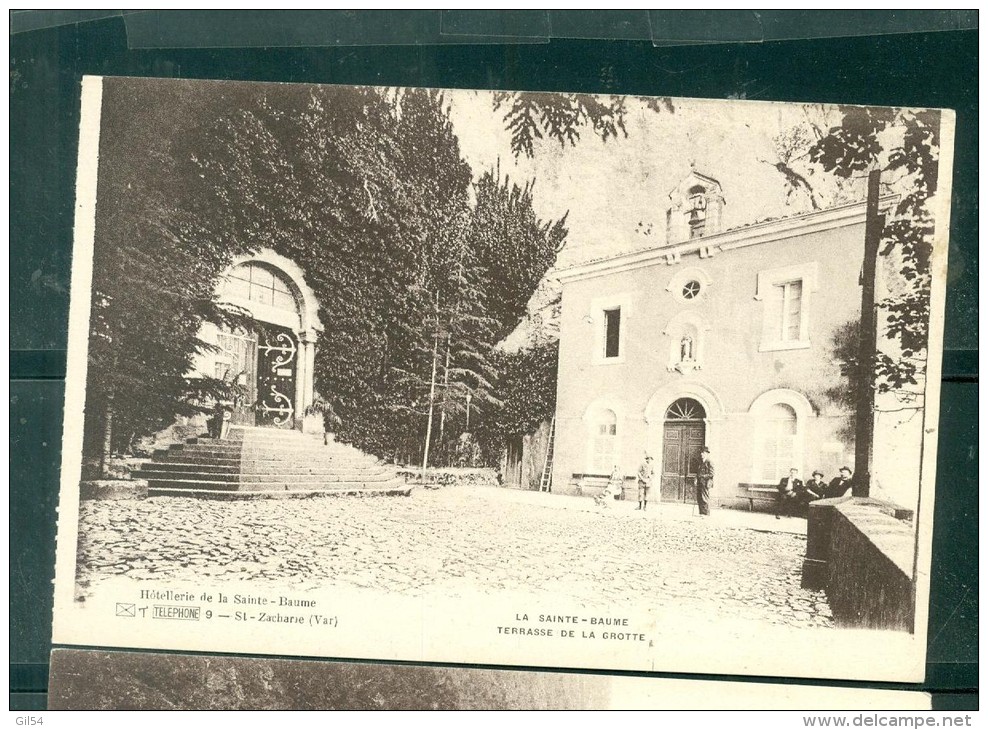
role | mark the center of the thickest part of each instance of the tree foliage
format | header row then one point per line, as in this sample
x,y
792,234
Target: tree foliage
x,y
533,116
527,387
367,191
152,287
513,247
905,144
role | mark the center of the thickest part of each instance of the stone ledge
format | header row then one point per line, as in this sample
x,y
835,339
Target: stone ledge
x,y
113,489
862,556
892,537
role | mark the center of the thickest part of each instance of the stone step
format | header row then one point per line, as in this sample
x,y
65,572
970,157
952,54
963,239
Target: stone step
x,y
267,456
203,467
259,468
231,449
270,486
341,476
402,490
267,462
265,431
182,458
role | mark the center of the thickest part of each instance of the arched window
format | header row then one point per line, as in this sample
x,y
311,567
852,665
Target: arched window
x,y
778,448
685,409
260,284
604,436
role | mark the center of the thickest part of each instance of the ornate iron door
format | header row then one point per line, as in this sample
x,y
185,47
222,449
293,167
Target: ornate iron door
x,y
277,359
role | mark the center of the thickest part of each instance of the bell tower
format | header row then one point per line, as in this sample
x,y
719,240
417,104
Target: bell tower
x,y
696,208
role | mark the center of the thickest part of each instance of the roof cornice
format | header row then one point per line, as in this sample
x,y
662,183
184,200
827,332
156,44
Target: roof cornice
x,y
707,246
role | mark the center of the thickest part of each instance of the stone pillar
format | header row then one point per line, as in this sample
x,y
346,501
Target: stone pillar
x,y
307,361
304,374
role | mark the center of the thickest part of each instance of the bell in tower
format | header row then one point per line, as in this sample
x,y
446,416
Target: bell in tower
x,y
695,210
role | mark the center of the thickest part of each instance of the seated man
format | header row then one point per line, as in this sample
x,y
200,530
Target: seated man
x,y
814,489
789,488
809,491
841,485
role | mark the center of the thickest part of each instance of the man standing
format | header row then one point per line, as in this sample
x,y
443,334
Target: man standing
x,y
789,489
646,472
704,480
839,486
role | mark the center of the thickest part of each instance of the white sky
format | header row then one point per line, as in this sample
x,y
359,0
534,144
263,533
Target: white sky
x,y
608,188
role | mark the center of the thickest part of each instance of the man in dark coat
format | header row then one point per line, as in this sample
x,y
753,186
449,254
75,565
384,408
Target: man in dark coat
x,y
841,485
704,480
814,488
789,488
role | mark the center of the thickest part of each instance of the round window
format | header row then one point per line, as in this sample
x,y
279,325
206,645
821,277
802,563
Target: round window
x,y
691,289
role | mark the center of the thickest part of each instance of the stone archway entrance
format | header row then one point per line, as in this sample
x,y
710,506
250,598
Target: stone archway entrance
x,y
272,359
683,435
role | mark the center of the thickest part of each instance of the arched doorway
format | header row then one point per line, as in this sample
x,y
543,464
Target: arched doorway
x,y
683,435
272,358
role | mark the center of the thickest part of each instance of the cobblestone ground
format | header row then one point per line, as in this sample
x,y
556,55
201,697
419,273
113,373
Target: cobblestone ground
x,y
456,540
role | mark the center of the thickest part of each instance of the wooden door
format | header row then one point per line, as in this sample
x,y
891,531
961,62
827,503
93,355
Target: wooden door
x,y
681,444
236,364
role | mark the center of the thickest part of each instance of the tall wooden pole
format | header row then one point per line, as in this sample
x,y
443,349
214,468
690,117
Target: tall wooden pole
x,y
432,394
864,432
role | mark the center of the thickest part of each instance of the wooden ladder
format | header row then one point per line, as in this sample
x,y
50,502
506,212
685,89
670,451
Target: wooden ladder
x,y
545,484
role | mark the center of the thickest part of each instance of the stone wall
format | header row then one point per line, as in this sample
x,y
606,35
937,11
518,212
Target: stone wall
x,y
451,477
860,551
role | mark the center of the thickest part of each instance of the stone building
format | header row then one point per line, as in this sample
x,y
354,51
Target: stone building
x,y
718,338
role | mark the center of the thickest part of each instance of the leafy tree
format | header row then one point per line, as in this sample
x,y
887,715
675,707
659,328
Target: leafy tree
x,y
357,186
905,145
532,116
367,191
152,287
527,389
513,247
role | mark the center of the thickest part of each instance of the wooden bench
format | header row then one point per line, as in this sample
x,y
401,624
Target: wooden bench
x,y
761,494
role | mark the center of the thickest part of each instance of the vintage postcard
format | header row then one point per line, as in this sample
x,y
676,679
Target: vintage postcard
x,y
131,680
512,378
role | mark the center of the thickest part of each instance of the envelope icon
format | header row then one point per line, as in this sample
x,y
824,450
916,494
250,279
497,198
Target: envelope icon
x,y
126,609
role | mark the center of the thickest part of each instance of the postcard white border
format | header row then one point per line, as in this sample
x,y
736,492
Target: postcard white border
x,y
461,631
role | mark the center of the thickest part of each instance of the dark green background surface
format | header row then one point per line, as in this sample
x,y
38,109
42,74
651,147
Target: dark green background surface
x,y
935,69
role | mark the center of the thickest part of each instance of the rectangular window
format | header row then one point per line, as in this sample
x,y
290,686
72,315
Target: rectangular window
x,y
786,297
612,332
792,310
784,313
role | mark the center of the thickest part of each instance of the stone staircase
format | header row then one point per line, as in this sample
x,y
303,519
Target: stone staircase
x,y
258,463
